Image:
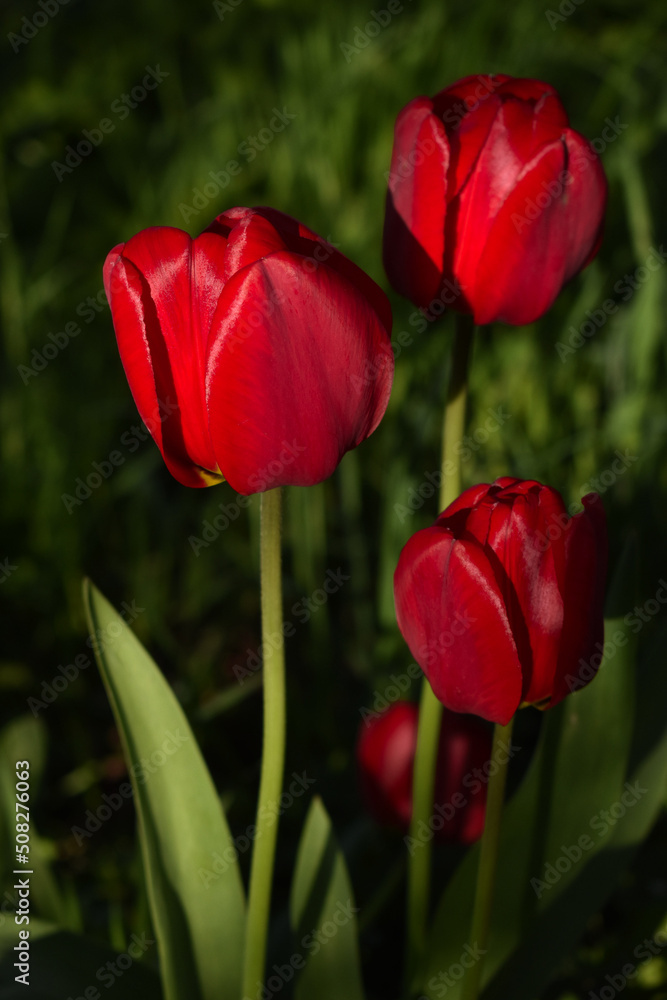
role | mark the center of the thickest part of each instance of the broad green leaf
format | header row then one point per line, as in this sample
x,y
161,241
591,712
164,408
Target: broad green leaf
x,y
323,916
196,897
557,931
579,769
66,965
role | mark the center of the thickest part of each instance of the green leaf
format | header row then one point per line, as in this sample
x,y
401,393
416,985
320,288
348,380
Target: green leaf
x,y
557,931
323,916
579,769
196,898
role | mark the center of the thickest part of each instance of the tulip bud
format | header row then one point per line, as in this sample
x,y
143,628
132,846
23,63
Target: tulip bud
x,y
494,202
260,336
385,761
500,601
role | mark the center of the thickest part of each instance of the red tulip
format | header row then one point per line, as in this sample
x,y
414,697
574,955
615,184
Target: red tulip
x,y
385,760
501,600
494,202
258,336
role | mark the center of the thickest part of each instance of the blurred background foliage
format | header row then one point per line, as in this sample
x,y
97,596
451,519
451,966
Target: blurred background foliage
x,y
226,68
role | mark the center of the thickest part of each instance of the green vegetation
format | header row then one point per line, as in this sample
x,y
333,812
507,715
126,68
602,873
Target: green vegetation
x,y
303,100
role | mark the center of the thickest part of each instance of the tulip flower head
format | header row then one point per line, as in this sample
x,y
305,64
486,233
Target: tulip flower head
x,y
494,202
385,761
247,349
501,600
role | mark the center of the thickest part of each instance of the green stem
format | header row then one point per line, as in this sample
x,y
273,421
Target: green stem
x,y
455,412
273,750
419,862
430,709
486,875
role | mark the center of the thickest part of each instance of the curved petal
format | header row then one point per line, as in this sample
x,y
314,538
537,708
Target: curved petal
x,y
451,613
414,225
472,89
547,230
589,190
522,265
163,289
251,238
509,146
254,233
533,589
299,371
583,594
464,502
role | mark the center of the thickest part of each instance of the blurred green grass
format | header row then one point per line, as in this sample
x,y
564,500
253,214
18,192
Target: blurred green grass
x,y
567,418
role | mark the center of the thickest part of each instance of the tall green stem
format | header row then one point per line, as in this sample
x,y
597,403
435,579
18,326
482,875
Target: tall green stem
x,y
488,861
430,709
455,412
273,750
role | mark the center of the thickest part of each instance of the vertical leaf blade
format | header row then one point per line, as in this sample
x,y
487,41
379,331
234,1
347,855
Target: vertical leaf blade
x,y
322,915
198,912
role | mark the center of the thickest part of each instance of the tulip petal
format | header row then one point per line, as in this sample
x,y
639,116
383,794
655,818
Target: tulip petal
x,y
509,145
583,592
414,226
251,238
256,232
299,371
163,289
452,615
533,591
543,235
590,185
464,502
